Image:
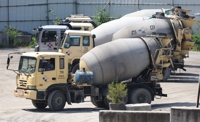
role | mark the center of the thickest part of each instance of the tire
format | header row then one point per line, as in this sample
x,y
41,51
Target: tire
x,y
97,103
75,68
39,104
140,95
56,100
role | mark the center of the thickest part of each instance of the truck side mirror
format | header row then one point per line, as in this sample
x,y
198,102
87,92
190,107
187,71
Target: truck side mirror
x,y
93,36
8,61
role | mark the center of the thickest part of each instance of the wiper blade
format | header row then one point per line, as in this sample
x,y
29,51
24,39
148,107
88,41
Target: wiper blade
x,y
25,73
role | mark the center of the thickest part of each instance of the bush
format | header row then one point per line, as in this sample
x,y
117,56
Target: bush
x,y
196,39
117,91
32,44
12,33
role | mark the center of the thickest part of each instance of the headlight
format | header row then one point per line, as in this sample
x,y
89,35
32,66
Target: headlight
x,y
31,87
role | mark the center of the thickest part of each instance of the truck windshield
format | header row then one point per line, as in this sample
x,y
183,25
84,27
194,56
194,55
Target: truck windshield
x,y
27,65
72,41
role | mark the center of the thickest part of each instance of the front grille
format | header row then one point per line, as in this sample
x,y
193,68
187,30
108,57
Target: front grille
x,y
22,83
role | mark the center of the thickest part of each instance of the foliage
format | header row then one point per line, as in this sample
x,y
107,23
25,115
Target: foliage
x,y
116,91
12,33
196,39
101,16
198,27
32,44
57,20
18,43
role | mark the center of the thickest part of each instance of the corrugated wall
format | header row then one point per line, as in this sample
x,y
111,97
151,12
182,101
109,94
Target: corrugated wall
x,y
27,14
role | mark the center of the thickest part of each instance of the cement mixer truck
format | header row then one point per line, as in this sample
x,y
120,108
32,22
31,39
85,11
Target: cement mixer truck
x,y
54,87
172,23
137,62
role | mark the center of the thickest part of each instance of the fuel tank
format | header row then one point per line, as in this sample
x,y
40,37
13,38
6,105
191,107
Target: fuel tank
x,y
120,59
162,27
105,31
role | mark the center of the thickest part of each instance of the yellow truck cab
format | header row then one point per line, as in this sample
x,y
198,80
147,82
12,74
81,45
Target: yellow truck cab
x,y
41,76
75,44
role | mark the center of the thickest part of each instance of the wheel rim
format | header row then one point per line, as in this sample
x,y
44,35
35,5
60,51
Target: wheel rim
x,y
141,98
58,100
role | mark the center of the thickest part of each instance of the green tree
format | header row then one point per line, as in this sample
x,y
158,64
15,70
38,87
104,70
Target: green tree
x,y
101,16
57,19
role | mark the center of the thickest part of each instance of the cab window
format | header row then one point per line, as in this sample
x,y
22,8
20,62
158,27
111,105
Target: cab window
x,y
72,41
86,41
49,36
62,66
47,64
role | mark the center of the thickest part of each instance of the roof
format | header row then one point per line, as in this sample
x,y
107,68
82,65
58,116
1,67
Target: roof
x,y
64,27
81,24
78,32
35,54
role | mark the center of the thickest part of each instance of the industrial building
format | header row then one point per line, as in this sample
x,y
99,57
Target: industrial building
x,y
28,14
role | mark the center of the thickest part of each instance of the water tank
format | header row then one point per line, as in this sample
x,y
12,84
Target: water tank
x,y
82,77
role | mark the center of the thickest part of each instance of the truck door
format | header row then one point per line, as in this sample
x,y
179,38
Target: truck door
x,y
72,47
48,41
47,74
60,34
86,44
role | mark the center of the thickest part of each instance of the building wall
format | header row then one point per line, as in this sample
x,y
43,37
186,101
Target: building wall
x,y
28,14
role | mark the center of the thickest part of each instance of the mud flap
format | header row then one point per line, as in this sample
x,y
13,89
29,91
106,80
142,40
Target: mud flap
x,y
68,95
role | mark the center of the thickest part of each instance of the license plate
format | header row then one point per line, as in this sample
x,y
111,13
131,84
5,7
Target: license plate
x,y
20,92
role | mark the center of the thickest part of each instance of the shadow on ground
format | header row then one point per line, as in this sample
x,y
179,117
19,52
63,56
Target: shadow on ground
x,y
169,105
66,110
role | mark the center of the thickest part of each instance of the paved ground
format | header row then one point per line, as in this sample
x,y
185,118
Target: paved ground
x,y
181,89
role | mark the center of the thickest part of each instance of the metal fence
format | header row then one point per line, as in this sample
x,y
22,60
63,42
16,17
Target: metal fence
x,y
27,14
4,41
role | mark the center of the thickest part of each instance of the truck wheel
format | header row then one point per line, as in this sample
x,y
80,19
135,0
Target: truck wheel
x,y
56,100
140,95
39,104
97,103
75,68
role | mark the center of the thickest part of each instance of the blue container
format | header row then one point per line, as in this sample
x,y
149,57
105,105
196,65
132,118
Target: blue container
x,y
84,77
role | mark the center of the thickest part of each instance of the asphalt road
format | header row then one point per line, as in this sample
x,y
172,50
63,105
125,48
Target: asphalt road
x,y
181,88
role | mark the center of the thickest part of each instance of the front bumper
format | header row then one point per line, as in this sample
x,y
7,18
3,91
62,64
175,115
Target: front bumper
x,y
28,94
